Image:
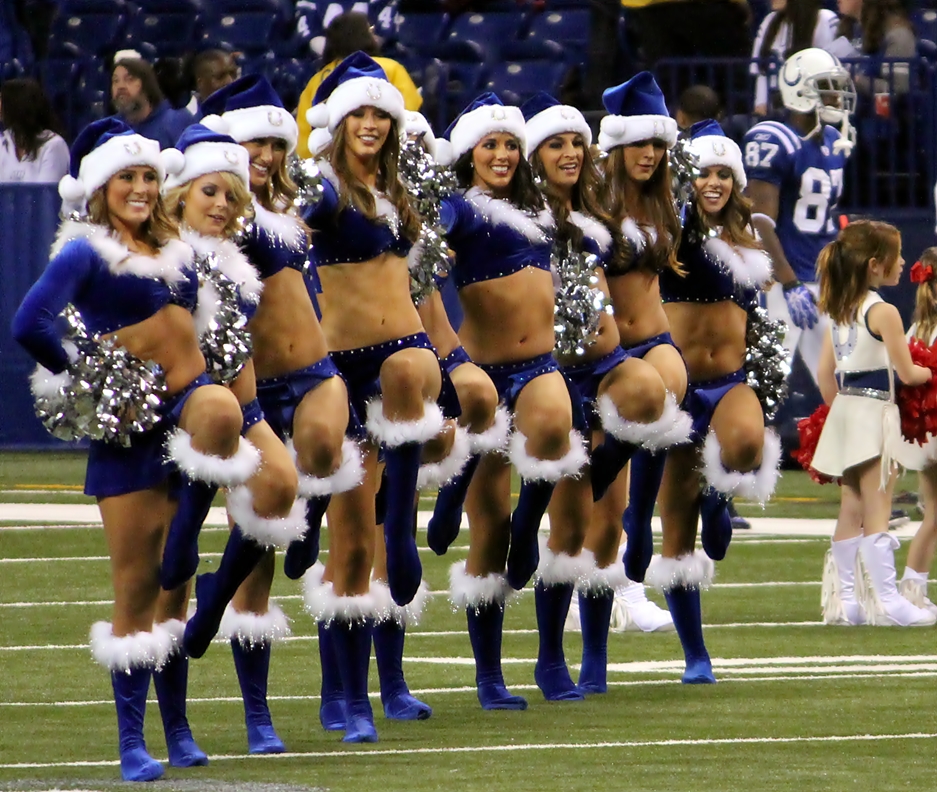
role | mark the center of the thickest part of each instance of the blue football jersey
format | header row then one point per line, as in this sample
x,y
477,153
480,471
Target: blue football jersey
x,y
314,16
809,177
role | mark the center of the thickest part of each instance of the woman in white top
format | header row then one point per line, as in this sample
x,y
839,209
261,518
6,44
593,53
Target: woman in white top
x,y
791,26
30,148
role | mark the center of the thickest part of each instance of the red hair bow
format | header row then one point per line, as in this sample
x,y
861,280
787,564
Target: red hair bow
x,y
921,273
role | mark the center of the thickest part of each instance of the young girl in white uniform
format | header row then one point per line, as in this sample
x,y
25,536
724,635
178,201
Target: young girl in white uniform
x,y
861,439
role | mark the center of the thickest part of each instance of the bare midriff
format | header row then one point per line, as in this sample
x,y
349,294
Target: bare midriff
x,y
711,337
639,312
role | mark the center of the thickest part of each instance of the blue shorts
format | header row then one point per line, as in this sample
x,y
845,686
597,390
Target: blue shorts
x,y
585,378
361,369
640,349
115,470
454,359
702,398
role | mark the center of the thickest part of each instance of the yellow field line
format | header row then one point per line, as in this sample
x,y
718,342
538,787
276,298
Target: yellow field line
x,y
65,487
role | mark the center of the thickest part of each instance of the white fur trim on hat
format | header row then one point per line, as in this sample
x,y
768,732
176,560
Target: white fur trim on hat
x,y
750,268
474,125
396,433
757,485
348,476
693,570
468,591
365,92
601,580
263,121
137,650
556,120
437,474
323,604
201,159
616,130
254,629
559,568
536,469
496,436
276,531
226,472
714,150
112,156
672,428
417,125
319,138
388,610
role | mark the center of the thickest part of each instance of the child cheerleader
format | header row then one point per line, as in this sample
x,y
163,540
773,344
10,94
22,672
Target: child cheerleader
x,y
861,440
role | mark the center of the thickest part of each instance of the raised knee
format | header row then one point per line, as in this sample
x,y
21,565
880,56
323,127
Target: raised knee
x,y
399,372
220,416
478,400
641,397
318,449
275,491
549,437
743,450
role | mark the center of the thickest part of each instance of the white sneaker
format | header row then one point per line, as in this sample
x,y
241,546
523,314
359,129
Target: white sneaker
x,y
643,616
916,594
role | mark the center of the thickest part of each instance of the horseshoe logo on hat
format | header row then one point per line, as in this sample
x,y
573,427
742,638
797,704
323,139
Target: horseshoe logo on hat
x,y
275,117
373,91
231,157
719,148
498,113
133,148
567,112
658,129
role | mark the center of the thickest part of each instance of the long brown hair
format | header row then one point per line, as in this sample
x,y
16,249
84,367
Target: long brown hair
x,y
802,17
585,198
155,231
925,300
843,266
26,112
175,207
656,206
735,219
278,193
523,191
353,192
875,17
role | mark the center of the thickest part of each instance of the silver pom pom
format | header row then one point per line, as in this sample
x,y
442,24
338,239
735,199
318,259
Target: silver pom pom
x,y
766,364
308,179
684,170
579,304
225,342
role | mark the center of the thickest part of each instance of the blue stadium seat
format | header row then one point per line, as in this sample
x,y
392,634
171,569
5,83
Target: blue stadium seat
x,y
517,81
94,26
927,49
489,29
264,63
925,24
417,31
242,30
568,27
531,49
172,26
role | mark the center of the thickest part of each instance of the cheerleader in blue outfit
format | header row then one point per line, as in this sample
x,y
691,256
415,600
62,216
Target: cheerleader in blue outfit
x,y
134,281
364,228
502,235
732,453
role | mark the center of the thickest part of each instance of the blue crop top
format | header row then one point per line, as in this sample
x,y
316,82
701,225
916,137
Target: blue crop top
x,y
273,242
492,238
716,271
109,285
596,239
349,236
225,256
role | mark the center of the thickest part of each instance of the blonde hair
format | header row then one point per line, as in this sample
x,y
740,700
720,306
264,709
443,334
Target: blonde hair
x,y
155,231
843,266
925,300
173,200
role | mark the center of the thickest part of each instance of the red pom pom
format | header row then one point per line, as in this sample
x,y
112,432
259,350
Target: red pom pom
x,y
808,433
917,404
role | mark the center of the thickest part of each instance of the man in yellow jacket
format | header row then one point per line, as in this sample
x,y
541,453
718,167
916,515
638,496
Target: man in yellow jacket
x,y
349,33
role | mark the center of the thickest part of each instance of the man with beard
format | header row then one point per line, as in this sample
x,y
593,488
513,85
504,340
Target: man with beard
x,y
139,102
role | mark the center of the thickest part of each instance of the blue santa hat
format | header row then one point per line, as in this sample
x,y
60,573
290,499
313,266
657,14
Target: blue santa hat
x,y
251,109
637,111
486,114
712,147
358,81
103,148
546,117
207,151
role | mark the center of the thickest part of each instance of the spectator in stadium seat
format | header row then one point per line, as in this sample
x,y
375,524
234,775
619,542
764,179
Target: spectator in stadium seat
x,y
139,103
849,26
886,33
31,148
210,70
347,34
697,103
314,17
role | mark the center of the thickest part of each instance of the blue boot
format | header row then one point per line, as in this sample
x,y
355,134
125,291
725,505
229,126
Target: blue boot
x,y
485,627
351,642
252,663
180,554
551,674
404,570
606,462
398,703
171,683
647,470
332,705
684,604
303,553
130,689
716,532
595,613
524,555
446,521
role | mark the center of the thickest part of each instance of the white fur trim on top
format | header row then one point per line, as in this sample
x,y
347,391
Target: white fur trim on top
x,y
366,92
226,472
123,653
323,604
601,580
495,437
283,227
405,615
43,382
672,428
758,485
693,570
559,568
250,123
749,268
396,433
468,591
616,130
348,476
592,229
471,127
113,156
201,159
254,629
207,304
276,531
638,235
229,260
556,120
437,474
713,150
497,211
534,469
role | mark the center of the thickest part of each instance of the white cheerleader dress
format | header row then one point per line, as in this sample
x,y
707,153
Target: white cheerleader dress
x,y
863,422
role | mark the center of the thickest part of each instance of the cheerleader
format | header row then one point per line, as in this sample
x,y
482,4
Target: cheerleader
x,y
134,283
731,452
636,134
861,442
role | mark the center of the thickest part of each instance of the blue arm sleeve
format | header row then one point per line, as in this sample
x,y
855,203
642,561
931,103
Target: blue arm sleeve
x,y
316,215
34,322
454,213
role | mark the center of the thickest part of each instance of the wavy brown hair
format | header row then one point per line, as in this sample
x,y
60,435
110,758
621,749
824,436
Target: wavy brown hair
x,y
876,16
278,193
656,206
173,200
925,300
843,266
354,192
523,192
585,198
802,16
156,231
735,219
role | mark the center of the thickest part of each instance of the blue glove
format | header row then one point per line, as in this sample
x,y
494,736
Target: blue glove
x,y
801,305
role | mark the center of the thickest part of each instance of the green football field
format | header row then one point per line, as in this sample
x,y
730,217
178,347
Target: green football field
x,y
799,706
